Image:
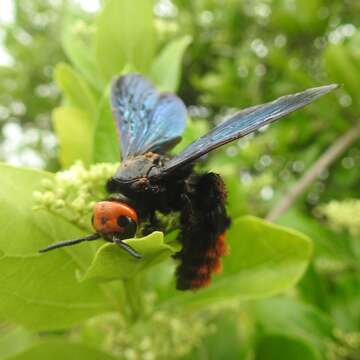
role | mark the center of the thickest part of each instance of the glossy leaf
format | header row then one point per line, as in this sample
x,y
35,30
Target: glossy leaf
x,y
76,90
41,292
79,45
113,263
265,259
74,129
125,34
24,230
106,144
166,69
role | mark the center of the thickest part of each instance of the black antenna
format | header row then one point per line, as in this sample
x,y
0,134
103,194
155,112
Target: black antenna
x,y
91,237
127,248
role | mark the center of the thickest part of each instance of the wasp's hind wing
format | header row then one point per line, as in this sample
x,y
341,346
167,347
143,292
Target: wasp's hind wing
x,y
243,123
146,119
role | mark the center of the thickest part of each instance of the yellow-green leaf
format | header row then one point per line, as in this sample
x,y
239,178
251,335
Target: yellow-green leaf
x,y
60,350
75,88
113,263
166,69
125,35
265,259
74,128
106,146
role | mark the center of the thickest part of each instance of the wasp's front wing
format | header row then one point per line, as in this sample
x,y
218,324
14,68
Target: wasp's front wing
x,y
146,119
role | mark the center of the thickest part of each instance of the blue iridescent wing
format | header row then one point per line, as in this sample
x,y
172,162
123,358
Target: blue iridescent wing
x,y
146,119
245,122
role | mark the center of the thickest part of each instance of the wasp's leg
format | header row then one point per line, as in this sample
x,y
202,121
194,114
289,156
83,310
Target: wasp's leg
x,y
152,224
203,225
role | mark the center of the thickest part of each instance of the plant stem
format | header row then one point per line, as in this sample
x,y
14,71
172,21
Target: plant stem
x,y
133,298
322,163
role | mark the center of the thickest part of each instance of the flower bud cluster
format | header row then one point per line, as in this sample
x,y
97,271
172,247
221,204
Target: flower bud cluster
x,y
72,193
345,345
160,335
343,215
166,336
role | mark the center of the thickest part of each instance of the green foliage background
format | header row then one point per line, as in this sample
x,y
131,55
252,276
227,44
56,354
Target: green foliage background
x,y
281,295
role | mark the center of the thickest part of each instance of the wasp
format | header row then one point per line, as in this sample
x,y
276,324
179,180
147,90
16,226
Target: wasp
x,y
149,180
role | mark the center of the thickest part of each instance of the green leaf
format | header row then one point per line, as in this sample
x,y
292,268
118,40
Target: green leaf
x,y
290,317
41,292
275,347
223,343
76,90
194,129
113,263
106,144
23,230
265,259
60,350
74,129
78,43
326,242
343,69
166,69
125,34
14,340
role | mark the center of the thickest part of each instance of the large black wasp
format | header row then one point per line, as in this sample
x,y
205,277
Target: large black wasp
x,y
150,180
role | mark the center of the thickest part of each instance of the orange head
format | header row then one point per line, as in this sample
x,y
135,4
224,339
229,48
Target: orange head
x,y
113,221
113,217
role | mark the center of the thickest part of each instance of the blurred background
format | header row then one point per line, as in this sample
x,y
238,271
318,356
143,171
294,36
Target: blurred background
x,y
242,53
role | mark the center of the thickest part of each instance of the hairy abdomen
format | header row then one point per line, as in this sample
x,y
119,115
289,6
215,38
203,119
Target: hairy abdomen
x,y
204,222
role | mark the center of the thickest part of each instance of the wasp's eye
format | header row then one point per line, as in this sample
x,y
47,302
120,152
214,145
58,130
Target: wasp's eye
x,y
123,221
